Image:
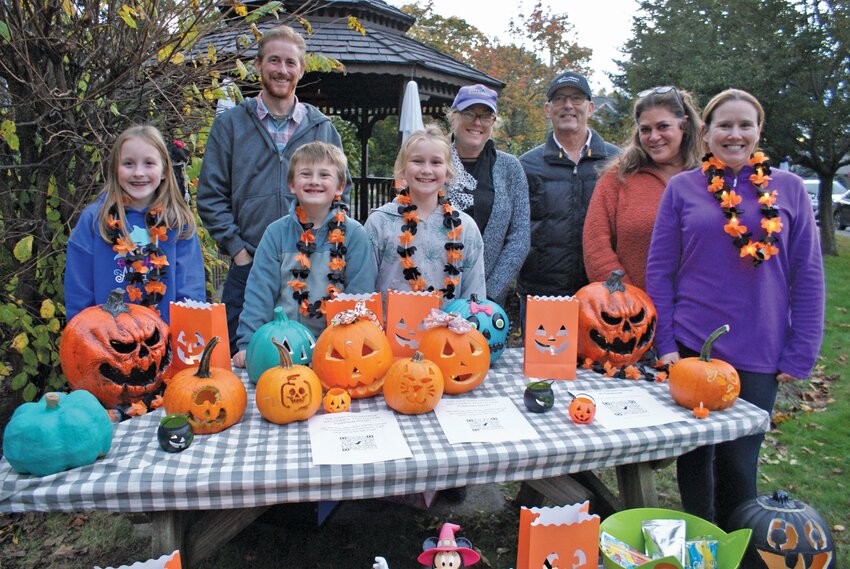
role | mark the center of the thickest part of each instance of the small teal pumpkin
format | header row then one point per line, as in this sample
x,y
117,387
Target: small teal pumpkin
x,y
488,318
57,433
298,340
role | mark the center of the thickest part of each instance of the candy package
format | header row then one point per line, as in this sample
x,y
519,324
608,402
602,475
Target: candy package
x,y
702,553
621,552
664,538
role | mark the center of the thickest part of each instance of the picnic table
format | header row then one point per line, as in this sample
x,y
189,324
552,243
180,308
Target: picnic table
x,y
203,496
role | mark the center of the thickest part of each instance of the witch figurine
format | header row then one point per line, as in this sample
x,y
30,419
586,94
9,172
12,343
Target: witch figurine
x,y
448,552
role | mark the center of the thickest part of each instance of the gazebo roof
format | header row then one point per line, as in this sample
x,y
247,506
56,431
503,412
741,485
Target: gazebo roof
x,y
378,64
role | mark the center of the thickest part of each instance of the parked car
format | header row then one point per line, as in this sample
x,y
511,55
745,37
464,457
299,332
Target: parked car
x,y
841,213
812,187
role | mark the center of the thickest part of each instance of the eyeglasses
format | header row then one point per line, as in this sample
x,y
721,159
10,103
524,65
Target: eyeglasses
x,y
661,91
575,98
487,119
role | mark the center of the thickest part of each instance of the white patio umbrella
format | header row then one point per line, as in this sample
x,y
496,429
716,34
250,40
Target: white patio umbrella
x,y
411,111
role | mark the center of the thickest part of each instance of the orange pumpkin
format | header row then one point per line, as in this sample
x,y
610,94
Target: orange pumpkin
x,y
337,400
213,398
616,322
118,352
582,409
287,393
713,383
464,358
353,353
413,385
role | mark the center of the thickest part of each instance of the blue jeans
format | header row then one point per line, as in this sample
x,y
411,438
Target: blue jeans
x,y
716,479
233,296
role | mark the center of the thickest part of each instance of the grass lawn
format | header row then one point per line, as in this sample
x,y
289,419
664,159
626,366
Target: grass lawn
x,y
806,454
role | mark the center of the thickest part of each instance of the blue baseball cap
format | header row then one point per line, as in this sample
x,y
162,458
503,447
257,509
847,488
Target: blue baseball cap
x,y
569,79
475,95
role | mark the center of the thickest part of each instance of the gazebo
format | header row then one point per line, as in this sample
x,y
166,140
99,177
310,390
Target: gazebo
x,y
378,65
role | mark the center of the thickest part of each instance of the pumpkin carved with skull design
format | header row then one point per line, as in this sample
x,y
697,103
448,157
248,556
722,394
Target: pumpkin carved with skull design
x,y
413,385
213,398
118,352
353,353
463,356
287,392
616,322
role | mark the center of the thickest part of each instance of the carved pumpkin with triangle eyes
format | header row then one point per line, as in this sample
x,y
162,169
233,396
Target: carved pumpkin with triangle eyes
x,y
353,353
413,385
118,352
262,353
337,400
616,322
464,358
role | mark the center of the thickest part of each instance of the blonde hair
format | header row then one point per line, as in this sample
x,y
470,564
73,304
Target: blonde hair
x,y
431,133
316,153
284,33
724,97
176,212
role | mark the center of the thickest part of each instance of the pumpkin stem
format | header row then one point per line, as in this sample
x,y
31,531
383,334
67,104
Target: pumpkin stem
x,y
52,400
285,358
705,353
280,315
114,304
473,297
417,357
615,281
204,366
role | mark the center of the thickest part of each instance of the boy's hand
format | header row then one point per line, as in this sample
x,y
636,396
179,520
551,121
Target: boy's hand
x,y
239,359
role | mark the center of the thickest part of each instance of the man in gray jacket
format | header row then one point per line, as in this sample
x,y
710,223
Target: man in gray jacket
x,y
561,174
243,187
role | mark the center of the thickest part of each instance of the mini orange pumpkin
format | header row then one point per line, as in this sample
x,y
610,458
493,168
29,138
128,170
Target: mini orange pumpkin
x,y
213,398
413,385
287,393
713,383
582,409
118,352
337,400
463,357
616,322
353,353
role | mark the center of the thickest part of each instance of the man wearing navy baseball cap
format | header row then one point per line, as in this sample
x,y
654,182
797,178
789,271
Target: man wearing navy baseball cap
x,y
561,175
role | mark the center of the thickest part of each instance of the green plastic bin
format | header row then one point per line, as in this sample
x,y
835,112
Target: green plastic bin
x,y
626,526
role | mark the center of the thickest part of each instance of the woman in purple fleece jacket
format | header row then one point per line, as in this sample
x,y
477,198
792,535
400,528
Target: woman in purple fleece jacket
x,y
744,253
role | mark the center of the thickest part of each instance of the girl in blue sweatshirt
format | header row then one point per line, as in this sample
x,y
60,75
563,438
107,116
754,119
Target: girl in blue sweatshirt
x,y
139,234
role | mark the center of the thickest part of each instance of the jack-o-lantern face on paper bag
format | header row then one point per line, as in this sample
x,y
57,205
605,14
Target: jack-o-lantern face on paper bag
x,y
460,351
616,322
551,323
353,353
193,323
118,352
406,312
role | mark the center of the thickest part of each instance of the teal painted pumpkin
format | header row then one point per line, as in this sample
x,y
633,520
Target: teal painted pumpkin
x,y
298,340
57,433
488,318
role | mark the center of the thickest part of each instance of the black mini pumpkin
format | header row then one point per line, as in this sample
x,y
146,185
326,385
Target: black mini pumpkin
x,y
786,533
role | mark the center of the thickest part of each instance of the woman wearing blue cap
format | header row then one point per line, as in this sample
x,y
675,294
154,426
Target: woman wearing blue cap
x,y
490,186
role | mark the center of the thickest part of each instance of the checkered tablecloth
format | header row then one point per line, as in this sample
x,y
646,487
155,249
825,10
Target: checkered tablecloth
x,y
256,463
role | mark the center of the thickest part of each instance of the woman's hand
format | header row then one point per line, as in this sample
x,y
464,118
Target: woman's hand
x,y
669,358
783,377
239,359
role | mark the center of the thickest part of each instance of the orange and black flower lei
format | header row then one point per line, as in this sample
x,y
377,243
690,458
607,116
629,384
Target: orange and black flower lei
x,y
451,220
307,246
144,266
771,223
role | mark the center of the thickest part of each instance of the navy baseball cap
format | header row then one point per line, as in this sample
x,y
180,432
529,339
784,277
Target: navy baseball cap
x,y
569,79
475,95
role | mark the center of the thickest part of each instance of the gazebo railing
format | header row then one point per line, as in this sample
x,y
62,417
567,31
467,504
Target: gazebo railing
x,y
376,193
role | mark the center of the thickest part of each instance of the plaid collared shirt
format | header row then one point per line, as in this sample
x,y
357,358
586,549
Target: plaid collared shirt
x,y
280,131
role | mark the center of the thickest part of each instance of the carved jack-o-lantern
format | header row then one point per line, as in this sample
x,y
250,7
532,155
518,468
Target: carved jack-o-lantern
x,y
413,385
616,322
353,353
488,318
118,352
463,357
287,392
295,337
582,409
337,400
786,533
213,398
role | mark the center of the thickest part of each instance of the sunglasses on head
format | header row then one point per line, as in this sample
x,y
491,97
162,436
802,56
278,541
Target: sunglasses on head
x,y
660,91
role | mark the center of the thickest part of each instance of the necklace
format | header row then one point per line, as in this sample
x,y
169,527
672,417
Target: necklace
x,y
451,221
307,246
765,248
144,266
